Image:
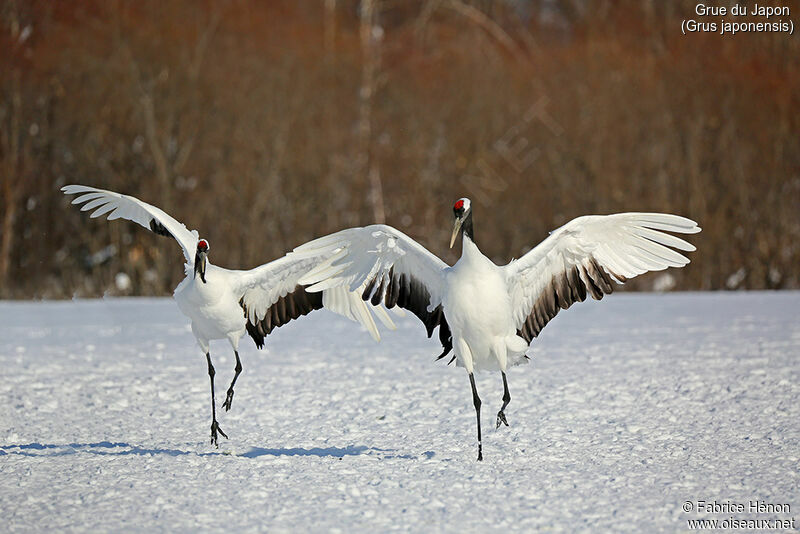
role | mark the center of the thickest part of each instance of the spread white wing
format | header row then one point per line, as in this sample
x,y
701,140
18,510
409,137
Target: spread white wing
x,y
272,295
119,206
384,265
589,254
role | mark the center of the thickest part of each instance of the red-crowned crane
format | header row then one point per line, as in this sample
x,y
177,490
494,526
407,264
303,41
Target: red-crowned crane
x,y
224,303
489,314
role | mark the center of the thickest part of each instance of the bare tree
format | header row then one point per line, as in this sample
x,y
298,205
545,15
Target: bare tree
x,y
330,28
12,146
281,121
371,36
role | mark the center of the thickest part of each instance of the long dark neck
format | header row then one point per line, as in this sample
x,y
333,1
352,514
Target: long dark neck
x,y
197,264
466,227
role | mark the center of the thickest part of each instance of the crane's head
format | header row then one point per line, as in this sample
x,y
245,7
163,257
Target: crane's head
x,y
462,212
200,259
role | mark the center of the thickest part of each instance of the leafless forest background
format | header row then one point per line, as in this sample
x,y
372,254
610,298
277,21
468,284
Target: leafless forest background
x,y
265,124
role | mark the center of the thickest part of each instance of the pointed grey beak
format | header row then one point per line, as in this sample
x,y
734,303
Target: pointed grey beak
x,y
200,266
456,228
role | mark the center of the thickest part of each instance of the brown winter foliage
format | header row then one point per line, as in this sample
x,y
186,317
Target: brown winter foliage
x,y
265,124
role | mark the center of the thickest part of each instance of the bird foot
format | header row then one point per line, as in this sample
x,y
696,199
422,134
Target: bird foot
x,y
501,418
214,430
228,400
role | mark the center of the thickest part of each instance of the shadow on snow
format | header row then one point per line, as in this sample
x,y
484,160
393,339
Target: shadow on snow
x,y
108,448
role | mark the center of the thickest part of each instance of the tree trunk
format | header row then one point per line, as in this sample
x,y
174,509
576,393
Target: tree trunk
x,y
12,180
368,166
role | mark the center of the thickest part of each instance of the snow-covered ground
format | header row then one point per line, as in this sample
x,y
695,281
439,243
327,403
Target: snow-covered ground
x,y
629,408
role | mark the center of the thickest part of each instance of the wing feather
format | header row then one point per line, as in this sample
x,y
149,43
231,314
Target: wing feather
x,y
272,296
119,206
385,266
589,255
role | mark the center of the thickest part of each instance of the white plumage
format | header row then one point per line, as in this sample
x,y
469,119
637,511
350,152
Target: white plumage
x,y
487,313
224,303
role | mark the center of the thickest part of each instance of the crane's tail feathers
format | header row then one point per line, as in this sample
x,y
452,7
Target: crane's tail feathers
x,y
516,344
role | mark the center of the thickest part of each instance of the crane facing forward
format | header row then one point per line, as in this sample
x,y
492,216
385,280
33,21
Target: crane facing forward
x,y
489,314
224,303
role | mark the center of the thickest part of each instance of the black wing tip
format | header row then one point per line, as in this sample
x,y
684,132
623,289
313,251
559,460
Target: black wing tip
x,y
563,291
252,329
444,353
400,289
258,339
291,306
159,228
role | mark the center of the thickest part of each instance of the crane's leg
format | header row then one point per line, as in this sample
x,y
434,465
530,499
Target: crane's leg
x,y
501,416
214,424
476,400
238,370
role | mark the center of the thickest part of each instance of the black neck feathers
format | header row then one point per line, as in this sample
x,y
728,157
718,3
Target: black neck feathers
x,y
466,226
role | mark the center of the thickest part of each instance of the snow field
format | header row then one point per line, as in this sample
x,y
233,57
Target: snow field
x,y
629,407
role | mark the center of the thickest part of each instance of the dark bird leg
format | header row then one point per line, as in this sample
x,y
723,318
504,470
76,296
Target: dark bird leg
x,y
214,424
238,369
501,416
477,402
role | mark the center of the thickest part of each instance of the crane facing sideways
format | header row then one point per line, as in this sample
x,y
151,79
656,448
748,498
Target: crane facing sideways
x,y
224,303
